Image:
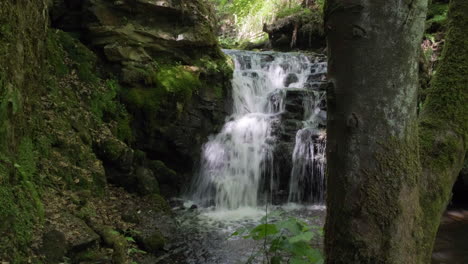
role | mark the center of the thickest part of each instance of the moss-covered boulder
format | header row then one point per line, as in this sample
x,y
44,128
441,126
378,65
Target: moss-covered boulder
x,y
154,242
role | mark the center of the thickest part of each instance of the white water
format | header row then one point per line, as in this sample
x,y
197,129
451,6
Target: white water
x,y
309,155
237,161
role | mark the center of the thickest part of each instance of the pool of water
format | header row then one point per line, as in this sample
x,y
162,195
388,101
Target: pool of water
x,y
205,234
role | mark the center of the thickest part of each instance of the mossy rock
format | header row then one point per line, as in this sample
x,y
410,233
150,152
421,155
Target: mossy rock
x,y
154,243
54,246
162,172
146,182
115,152
159,203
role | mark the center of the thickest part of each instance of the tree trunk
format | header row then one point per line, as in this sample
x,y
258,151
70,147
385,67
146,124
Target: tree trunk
x,y
380,200
444,124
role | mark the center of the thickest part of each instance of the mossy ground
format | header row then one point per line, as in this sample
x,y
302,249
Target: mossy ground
x,y
49,107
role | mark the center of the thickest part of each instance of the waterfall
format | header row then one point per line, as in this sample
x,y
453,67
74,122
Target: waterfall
x,y
239,161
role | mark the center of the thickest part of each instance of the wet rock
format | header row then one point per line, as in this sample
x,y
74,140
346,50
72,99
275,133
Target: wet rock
x,y
54,246
291,78
316,77
295,101
265,60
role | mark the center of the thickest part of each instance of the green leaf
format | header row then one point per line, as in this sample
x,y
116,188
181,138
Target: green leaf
x,y
130,239
239,232
297,260
306,236
291,225
264,230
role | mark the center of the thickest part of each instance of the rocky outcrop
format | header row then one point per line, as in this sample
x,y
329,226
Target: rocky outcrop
x,y
175,81
302,30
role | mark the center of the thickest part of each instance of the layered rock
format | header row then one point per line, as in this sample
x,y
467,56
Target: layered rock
x,y
175,79
298,104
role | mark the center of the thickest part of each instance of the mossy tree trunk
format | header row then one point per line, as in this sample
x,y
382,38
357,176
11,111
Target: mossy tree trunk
x,y
390,172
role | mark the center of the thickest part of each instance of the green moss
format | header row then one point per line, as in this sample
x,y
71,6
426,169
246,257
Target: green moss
x,y
56,55
145,99
115,240
91,256
155,242
104,101
159,203
171,87
215,72
160,170
123,130
18,216
444,124
179,81
83,59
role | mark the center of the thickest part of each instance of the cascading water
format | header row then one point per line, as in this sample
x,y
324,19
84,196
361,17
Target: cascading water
x,y
238,162
307,183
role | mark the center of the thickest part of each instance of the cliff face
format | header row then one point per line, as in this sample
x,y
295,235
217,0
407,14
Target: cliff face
x,y
116,92
164,54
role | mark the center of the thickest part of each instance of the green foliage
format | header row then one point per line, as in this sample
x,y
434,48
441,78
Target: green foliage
x,y
249,17
291,11
144,99
83,60
285,241
228,42
437,17
21,207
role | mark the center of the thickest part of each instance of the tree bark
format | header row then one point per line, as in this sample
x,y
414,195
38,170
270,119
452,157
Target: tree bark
x,y
381,187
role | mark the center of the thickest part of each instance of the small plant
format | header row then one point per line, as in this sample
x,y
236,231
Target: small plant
x,y
284,241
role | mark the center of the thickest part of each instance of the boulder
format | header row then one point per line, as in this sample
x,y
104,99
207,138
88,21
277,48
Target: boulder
x,y
153,242
73,234
146,182
54,246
